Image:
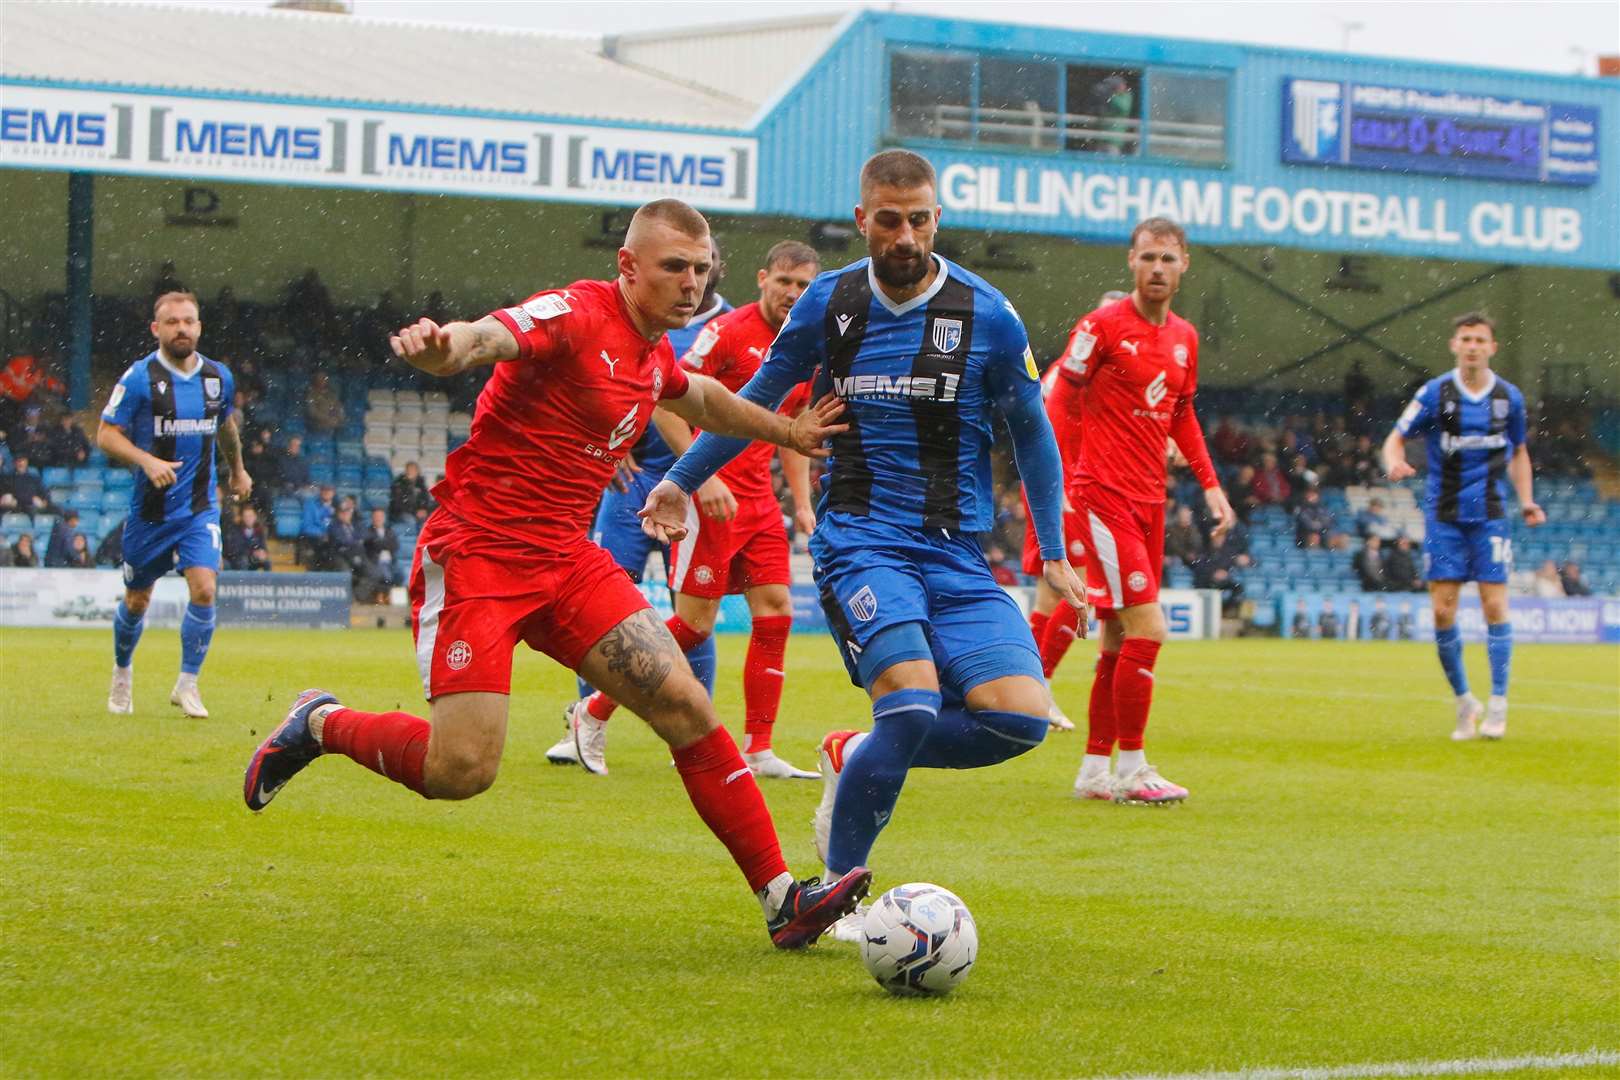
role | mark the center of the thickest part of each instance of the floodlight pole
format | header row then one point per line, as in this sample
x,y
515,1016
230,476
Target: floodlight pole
x,y
80,250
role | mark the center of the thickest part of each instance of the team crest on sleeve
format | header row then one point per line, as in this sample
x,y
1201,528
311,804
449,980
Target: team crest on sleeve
x,y
1029,365
117,396
947,334
548,306
1413,407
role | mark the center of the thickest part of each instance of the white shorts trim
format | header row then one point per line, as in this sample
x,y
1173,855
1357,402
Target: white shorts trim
x,y
427,620
681,556
1107,552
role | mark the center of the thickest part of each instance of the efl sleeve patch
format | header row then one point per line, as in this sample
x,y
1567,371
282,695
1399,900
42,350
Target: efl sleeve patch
x,y
116,399
1081,346
1414,409
1029,365
548,306
698,354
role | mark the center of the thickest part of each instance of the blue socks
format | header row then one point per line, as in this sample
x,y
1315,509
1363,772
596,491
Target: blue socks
x,y
1449,645
703,658
1499,648
960,739
875,772
126,634
196,631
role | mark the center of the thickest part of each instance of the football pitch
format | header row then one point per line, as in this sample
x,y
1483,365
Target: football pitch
x,y
1346,886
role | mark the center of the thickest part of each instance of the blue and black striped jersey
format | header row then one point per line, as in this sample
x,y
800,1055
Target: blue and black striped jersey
x,y
175,417
1470,438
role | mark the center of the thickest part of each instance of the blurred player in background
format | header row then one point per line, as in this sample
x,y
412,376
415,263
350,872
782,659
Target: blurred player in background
x,y
735,541
1052,620
1130,373
924,353
1474,421
163,418
505,558
618,529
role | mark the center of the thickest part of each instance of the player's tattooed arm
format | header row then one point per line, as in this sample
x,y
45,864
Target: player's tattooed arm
x,y
635,656
230,445
454,347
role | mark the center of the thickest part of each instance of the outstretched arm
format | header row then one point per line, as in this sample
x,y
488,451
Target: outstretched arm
x,y
454,347
712,407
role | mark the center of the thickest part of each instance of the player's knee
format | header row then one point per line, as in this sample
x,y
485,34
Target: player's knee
x,y
681,712
202,594
460,774
135,602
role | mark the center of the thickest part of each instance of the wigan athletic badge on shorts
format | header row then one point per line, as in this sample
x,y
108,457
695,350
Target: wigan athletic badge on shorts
x,y
947,334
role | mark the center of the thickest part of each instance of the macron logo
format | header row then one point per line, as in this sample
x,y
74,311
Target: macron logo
x,y
843,323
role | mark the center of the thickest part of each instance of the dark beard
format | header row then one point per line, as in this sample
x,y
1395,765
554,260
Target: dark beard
x,y
900,275
179,352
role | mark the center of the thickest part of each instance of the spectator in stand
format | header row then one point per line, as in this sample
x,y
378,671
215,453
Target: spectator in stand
x,y
31,439
1182,540
1358,393
1269,487
1373,522
1295,443
1242,481
1548,582
409,496
1401,566
1230,443
314,545
60,546
1001,568
348,550
1327,623
1313,518
79,557
324,410
1369,565
23,491
1217,568
110,552
1574,583
1365,466
265,470
382,554
1301,478
291,468
67,445
247,545
22,552
1334,445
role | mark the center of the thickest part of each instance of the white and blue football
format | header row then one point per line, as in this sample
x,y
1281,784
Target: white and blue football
x,y
919,939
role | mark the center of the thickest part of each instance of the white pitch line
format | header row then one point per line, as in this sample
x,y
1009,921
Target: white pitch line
x,y
1372,695
1456,1067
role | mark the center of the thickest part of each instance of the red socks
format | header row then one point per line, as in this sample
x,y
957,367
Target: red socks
x,y
393,745
763,676
1133,690
1061,628
1100,736
1037,626
601,706
726,797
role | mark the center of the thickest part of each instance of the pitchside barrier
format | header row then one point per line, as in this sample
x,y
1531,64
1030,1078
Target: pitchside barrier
x,y
1359,616
89,597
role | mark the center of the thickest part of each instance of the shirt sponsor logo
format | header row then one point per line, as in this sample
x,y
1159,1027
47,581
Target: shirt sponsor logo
x,y
168,425
1455,444
1156,390
947,334
625,429
925,387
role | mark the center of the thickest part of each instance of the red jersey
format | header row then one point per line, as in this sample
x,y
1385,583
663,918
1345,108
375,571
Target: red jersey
x,y
551,425
730,349
1139,380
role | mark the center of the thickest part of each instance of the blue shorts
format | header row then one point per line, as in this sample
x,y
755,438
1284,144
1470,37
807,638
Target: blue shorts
x,y
873,575
150,551
1467,551
618,529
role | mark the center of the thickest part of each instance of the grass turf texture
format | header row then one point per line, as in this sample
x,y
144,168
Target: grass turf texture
x,y
1346,885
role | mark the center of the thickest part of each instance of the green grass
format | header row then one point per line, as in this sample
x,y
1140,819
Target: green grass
x,y
1346,885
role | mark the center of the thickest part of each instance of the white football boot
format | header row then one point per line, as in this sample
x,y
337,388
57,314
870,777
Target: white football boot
x,y
1145,787
186,695
1099,785
563,752
767,766
1494,726
836,747
590,739
1469,711
1057,720
852,927
121,694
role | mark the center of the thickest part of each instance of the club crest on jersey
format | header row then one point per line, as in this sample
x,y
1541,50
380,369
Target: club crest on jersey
x,y
658,381
863,605
1180,355
1499,408
211,387
624,429
947,334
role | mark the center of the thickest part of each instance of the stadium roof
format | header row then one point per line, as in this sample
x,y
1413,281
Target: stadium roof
x,y
349,58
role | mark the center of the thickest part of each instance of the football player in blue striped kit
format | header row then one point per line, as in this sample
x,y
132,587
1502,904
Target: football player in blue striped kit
x,y
1474,427
924,354
164,417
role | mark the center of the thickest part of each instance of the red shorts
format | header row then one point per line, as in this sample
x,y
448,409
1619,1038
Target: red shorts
x,y
471,605
1125,548
720,557
1073,538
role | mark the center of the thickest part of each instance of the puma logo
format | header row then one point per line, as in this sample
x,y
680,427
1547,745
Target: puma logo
x,y
1130,346
757,354
843,323
610,362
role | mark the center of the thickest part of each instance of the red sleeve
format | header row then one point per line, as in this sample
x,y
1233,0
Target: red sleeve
x,y
798,398
1188,433
1088,344
540,324
676,382
1063,410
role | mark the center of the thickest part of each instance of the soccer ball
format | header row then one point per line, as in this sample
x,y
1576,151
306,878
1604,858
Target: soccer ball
x,y
919,939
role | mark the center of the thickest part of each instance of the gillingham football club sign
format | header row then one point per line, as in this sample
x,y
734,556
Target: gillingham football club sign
x,y
168,135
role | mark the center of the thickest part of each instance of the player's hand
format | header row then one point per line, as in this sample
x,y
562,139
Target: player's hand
x,y
241,485
1066,583
664,516
716,501
1399,470
814,426
1533,514
1220,509
424,345
161,473
623,473
804,520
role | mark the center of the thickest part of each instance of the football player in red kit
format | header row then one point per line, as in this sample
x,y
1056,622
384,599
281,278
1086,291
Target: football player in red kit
x,y
1130,373
505,557
735,540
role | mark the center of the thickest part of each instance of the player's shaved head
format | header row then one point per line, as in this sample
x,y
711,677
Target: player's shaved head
x,y
895,169
671,212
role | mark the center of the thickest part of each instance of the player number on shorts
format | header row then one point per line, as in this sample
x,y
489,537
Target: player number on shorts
x,y
213,532
1501,549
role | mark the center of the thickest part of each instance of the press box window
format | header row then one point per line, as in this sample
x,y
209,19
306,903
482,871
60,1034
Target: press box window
x,y
931,95
1018,103
1104,110
1186,116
